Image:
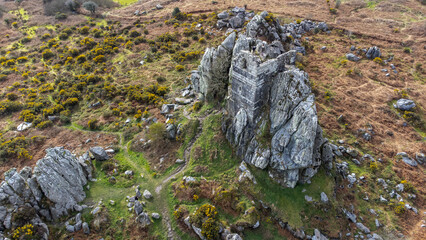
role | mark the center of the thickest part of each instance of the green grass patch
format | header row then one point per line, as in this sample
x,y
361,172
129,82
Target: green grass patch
x,y
288,202
212,150
265,231
105,191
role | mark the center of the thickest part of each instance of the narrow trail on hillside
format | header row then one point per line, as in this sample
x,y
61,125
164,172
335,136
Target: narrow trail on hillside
x,y
182,167
187,156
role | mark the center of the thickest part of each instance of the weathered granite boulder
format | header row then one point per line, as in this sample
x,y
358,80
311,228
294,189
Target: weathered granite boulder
x,y
352,57
214,69
59,174
223,15
58,179
24,126
263,25
407,159
221,24
373,52
146,194
99,153
138,208
236,22
233,236
144,219
318,235
324,197
404,104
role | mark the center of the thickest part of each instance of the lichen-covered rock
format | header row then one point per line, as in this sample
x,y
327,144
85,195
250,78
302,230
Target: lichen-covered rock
x,y
236,22
352,57
405,104
144,219
223,15
373,52
214,69
318,235
233,236
99,153
58,179
261,26
146,194
271,119
59,174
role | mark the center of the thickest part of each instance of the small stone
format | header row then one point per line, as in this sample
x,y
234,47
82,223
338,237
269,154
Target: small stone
x,y
70,228
86,229
324,197
138,208
366,136
412,196
155,215
256,225
179,161
356,161
77,226
223,15
399,187
147,195
111,202
24,126
352,178
404,104
128,173
353,48
366,197
363,228
376,221
407,159
421,158
308,198
95,210
183,101
323,48
188,179
110,150
78,208
352,57
99,153
352,152
373,52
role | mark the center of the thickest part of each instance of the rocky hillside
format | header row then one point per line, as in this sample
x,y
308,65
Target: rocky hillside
x,y
199,119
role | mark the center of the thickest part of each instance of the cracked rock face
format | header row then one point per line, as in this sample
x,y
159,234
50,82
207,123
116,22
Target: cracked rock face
x,y
59,174
271,119
212,79
54,187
